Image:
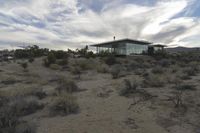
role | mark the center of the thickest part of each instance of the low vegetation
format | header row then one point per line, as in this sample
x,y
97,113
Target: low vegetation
x,y
67,86
63,105
129,87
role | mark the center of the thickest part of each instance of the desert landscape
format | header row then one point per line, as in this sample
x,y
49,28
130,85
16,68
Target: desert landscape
x,y
61,93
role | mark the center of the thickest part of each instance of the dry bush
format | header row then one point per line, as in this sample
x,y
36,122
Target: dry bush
x,y
172,79
152,80
157,70
137,64
67,86
24,106
103,68
128,87
177,97
84,64
25,127
141,72
24,65
10,80
64,105
22,92
54,67
165,62
174,68
9,122
115,71
110,60
76,70
63,62
185,87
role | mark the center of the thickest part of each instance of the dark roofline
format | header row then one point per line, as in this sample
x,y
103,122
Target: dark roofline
x,y
123,40
159,45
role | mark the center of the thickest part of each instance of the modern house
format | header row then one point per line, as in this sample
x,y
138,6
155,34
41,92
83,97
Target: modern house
x,y
127,47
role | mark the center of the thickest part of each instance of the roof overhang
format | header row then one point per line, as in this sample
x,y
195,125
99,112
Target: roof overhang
x,y
159,45
105,44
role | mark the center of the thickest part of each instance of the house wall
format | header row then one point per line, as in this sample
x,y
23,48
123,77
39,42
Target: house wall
x,y
135,48
125,48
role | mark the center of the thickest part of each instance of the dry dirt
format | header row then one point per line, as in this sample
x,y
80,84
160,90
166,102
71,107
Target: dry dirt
x,y
102,110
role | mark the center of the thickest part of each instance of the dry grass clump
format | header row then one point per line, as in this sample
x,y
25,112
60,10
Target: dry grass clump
x,y
64,105
141,71
25,127
9,122
177,98
24,106
152,80
115,71
191,71
138,64
165,62
110,60
77,71
54,67
103,68
23,92
157,70
10,80
128,87
67,85
83,63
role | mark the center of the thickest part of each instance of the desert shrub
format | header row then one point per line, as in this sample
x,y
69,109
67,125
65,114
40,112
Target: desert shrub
x,y
55,67
60,54
25,127
190,71
25,106
77,71
174,68
64,105
185,87
164,62
128,87
9,80
177,97
157,70
31,60
110,60
84,64
51,59
115,71
103,68
63,62
67,86
153,80
24,92
9,122
172,79
134,65
140,71
24,65
37,92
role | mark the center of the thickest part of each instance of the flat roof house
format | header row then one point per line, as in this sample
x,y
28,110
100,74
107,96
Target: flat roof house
x,y
126,47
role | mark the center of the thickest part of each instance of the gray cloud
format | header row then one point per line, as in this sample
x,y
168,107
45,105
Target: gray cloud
x,y
74,23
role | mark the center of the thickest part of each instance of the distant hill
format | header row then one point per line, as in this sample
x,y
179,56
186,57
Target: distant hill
x,y
182,49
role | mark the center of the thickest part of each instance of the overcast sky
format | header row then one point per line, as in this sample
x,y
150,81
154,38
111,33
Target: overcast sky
x,y
62,24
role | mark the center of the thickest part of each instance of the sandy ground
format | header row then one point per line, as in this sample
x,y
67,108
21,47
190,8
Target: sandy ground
x,y
102,110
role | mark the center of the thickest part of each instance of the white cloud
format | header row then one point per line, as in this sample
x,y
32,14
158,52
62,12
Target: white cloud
x,y
64,23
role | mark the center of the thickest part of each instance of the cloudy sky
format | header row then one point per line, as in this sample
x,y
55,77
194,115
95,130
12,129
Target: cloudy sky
x,y
62,24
